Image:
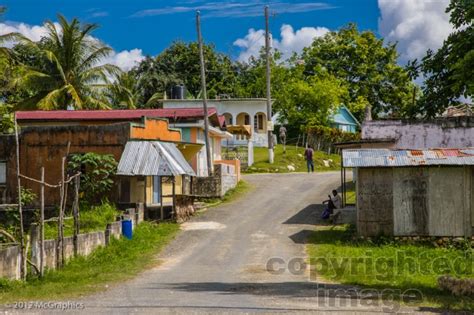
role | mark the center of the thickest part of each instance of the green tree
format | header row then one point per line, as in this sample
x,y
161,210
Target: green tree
x,y
367,66
64,68
449,72
179,64
309,100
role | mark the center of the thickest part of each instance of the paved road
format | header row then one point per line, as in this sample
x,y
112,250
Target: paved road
x,y
219,262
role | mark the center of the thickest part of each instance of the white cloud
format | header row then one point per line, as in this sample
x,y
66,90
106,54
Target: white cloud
x,y
124,59
236,9
34,32
289,42
416,25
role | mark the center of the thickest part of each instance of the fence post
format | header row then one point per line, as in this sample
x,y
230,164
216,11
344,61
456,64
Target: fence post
x,y
20,210
41,262
76,213
35,237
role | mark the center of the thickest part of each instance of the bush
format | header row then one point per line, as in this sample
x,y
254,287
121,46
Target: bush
x,y
97,171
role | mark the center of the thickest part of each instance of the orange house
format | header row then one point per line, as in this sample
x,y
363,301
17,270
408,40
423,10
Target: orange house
x,y
47,136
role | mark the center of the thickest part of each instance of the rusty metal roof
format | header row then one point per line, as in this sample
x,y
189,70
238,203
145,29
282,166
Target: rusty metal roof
x,y
396,158
153,158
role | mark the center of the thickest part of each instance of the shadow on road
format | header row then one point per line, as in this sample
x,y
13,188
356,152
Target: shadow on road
x,y
289,289
311,214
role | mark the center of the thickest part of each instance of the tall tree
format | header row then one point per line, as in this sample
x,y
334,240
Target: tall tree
x,y
367,65
449,72
63,68
179,64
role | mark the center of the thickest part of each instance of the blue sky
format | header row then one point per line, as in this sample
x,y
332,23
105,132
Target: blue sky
x,y
143,27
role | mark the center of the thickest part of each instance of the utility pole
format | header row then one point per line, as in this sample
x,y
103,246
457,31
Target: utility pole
x,y
269,98
204,95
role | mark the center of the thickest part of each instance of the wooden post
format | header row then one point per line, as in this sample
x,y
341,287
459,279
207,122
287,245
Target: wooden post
x,y
173,180
60,245
344,189
20,210
42,224
75,210
162,211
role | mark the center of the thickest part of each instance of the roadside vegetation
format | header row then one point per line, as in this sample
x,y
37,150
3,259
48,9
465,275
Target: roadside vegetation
x,y
94,218
380,263
231,195
121,260
294,157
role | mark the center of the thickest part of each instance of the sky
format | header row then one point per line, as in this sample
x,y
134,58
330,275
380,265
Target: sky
x,y
146,27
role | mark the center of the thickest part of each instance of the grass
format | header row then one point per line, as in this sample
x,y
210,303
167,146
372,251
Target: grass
x,y
91,219
119,261
231,195
293,157
350,193
386,264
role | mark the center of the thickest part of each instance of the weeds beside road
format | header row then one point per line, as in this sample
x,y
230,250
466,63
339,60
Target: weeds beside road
x,y
293,157
383,264
121,260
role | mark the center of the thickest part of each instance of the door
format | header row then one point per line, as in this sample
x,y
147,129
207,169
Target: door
x,y
156,189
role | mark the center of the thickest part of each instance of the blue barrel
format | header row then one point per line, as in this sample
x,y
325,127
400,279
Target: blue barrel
x,y
127,228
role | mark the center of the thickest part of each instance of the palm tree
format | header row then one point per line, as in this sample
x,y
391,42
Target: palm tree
x,y
66,70
126,92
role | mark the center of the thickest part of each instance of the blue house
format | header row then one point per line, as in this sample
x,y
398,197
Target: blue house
x,y
344,120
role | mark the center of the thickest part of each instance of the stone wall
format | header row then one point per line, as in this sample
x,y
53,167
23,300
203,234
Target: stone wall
x,y
184,208
10,262
452,132
223,179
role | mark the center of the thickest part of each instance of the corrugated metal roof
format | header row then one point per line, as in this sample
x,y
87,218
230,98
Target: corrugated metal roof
x,y
113,114
153,158
394,158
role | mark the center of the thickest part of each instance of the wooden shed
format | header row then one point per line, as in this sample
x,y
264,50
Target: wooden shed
x,y
413,192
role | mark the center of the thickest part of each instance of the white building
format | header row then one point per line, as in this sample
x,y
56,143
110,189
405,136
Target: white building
x,y
241,112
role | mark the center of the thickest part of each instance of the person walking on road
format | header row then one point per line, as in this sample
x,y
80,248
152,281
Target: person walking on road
x,y
308,154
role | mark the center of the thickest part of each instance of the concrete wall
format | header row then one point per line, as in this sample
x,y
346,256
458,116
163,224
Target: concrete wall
x,y
452,132
86,244
424,201
45,146
374,201
10,263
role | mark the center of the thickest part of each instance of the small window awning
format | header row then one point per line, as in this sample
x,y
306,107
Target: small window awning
x,y
153,158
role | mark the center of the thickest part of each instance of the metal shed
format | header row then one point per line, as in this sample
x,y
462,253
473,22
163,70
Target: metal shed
x,y
427,192
154,158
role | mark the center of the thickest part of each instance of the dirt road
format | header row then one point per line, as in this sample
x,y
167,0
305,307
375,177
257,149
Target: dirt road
x,y
218,263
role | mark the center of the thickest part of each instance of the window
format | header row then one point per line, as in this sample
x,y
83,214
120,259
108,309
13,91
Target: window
x,y
3,172
156,189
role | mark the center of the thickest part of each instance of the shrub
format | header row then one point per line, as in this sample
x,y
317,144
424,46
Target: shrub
x,y
97,172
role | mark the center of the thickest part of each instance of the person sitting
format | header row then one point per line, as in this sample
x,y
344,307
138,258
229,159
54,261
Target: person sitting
x,y
334,202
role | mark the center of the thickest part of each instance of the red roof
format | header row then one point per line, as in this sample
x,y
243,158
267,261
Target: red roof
x,y
117,114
